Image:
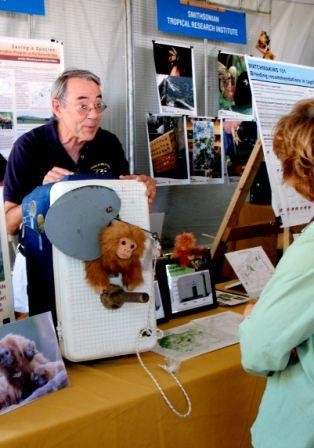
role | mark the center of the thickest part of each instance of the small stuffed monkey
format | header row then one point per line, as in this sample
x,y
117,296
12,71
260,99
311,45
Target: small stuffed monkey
x,y
185,249
121,247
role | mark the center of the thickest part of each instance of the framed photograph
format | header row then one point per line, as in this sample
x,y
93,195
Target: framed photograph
x,y
186,289
31,364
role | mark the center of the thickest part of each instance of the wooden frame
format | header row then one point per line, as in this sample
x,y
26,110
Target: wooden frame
x,y
229,229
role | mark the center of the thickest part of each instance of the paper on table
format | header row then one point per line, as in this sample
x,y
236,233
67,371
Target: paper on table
x,y
227,299
253,268
199,336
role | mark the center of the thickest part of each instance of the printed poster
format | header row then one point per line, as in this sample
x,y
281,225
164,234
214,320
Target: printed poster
x,y
167,149
175,79
28,68
239,139
276,87
205,149
235,97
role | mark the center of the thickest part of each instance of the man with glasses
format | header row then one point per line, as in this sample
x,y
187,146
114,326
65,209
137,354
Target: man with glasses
x,y
72,142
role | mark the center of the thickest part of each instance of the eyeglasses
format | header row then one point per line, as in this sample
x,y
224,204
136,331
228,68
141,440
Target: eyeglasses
x,y
84,109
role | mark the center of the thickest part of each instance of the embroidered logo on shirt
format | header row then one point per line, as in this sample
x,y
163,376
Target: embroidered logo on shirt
x,y
101,168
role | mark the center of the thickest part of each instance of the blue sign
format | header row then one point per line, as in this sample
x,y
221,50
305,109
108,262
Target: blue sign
x,y
22,6
280,72
178,17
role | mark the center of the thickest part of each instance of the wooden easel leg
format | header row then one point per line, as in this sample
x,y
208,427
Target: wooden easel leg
x,y
286,241
236,203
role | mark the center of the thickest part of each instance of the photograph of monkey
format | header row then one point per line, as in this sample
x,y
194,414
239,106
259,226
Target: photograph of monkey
x,y
234,88
31,365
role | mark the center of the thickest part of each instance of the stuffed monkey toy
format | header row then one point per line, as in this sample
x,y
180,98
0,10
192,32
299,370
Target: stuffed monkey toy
x,y
185,250
121,247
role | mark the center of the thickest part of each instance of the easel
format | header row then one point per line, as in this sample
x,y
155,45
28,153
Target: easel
x,y
229,229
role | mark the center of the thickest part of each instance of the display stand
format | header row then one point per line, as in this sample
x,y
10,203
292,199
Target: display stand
x,y
229,229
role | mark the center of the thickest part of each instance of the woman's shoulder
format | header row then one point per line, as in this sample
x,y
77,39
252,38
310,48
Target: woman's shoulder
x,y
300,253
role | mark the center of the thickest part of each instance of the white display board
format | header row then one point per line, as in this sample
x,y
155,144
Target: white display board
x,y
86,328
28,68
276,87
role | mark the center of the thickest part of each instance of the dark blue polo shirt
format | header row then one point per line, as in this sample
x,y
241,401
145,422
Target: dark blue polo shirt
x,y
39,150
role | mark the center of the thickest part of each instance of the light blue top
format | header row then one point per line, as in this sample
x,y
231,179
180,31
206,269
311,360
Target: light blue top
x,y
282,319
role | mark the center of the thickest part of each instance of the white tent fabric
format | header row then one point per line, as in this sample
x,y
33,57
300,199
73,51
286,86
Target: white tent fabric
x,y
94,38
292,32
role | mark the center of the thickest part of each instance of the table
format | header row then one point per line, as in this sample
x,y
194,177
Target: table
x,y
113,403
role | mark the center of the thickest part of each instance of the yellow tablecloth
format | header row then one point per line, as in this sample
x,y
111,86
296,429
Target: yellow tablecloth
x,y
113,403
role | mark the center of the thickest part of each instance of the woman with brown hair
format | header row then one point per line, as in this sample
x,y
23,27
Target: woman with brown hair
x,y
277,337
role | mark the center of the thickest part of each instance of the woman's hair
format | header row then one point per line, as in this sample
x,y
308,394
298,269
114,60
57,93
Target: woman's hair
x,y
59,87
293,143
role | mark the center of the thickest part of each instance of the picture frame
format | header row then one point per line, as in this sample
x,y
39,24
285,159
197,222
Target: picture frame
x,y
186,290
29,347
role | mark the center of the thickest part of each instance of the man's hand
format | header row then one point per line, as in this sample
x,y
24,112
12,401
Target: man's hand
x,y
148,181
56,174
